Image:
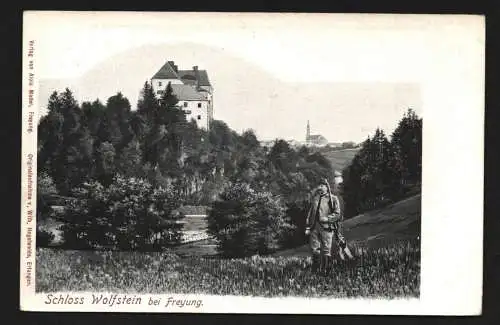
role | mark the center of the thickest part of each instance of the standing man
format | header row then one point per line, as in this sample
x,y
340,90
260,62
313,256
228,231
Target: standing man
x,y
321,220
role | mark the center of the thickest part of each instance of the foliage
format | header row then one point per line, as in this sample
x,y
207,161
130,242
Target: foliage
x,y
128,214
407,140
45,188
392,272
129,162
382,171
44,237
246,222
105,162
65,144
96,141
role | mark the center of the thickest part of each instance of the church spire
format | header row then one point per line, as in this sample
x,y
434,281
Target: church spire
x,y
308,132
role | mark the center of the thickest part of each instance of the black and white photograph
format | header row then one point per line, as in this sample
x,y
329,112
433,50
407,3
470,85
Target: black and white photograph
x,y
261,163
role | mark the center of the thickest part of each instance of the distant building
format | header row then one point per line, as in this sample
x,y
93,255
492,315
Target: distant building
x,y
335,145
192,88
314,139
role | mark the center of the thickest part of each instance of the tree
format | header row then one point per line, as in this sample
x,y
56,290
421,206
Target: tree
x,y
283,156
174,120
407,139
147,105
359,179
118,114
246,222
45,188
66,145
249,140
383,170
105,163
93,114
163,145
168,98
380,152
129,214
129,162
50,135
221,137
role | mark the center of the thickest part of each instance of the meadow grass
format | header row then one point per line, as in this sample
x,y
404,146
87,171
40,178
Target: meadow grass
x,y
389,272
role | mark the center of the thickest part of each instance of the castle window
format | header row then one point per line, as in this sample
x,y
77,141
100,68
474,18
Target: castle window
x,y
159,83
199,117
185,104
199,105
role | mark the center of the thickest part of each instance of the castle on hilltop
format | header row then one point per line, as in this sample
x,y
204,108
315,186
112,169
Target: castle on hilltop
x,y
191,87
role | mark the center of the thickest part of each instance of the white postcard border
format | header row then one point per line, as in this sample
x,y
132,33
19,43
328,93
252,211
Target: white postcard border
x,y
452,232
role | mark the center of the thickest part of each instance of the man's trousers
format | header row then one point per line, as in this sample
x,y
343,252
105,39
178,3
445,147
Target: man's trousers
x,y
321,240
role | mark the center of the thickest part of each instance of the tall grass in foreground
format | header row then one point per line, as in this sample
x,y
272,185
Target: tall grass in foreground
x,y
390,272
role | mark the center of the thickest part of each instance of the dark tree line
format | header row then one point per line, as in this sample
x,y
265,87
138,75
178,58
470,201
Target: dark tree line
x,y
127,171
384,170
97,153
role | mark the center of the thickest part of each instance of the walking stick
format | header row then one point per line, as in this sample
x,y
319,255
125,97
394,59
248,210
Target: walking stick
x,y
343,248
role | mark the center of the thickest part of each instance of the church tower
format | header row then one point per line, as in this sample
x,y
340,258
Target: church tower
x,y
308,132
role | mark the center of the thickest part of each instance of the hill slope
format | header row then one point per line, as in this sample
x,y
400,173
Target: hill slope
x,y
398,221
340,158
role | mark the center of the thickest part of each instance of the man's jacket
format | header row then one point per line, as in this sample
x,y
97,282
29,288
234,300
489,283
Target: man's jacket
x,y
320,208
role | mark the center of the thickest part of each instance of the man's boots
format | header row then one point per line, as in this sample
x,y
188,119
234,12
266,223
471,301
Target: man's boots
x,y
329,265
316,262
324,265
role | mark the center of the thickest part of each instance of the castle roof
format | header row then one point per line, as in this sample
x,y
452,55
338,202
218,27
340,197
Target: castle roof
x,y
191,75
187,92
166,72
169,71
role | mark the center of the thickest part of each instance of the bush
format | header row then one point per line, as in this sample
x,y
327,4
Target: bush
x,y
45,188
129,214
297,212
44,237
246,222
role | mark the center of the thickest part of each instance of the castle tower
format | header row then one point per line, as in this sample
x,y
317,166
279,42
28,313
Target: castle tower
x,y
192,88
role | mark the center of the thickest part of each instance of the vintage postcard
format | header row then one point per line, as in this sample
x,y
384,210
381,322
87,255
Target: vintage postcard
x,y
252,163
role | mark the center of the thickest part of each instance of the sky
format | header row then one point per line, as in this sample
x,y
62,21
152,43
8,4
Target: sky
x,y
347,74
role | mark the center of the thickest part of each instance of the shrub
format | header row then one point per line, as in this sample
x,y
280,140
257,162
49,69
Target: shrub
x,y
246,222
129,214
296,211
44,237
45,188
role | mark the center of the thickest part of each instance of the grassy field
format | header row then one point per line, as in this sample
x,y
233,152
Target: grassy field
x,y
387,272
340,158
385,243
